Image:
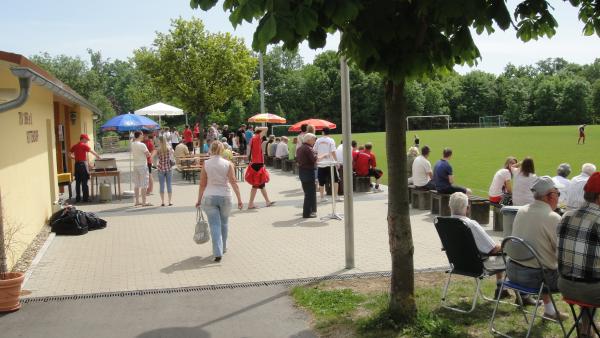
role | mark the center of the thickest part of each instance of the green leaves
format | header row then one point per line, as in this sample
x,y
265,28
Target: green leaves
x,y
203,4
265,32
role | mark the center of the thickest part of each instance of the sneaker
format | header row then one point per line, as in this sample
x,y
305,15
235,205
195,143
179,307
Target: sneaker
x,y
503,295
339,199
324,199
557,316
377,190
312,215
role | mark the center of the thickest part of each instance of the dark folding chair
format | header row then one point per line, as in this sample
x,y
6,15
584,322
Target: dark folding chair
x,y
464,257
517,249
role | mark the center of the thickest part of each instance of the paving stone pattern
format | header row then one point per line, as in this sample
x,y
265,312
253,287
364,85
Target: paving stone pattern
x,y
152,247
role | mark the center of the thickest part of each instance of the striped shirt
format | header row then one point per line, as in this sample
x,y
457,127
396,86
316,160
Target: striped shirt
x,y
579,243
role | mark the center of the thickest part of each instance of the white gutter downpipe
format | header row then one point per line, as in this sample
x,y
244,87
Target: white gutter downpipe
x,y
25,85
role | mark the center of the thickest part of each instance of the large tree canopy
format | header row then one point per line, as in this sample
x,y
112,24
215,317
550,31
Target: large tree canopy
x,y
399,39
201,70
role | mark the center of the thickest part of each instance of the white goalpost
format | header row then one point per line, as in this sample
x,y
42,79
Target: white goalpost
x,y
493,121
427,122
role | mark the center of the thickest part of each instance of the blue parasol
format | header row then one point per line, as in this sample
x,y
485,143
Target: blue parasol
x,y
129,122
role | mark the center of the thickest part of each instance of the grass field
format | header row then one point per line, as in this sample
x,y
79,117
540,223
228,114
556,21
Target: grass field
x,y
479,153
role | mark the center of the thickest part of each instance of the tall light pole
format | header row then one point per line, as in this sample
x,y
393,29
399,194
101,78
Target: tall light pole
x,y
347,149
262,84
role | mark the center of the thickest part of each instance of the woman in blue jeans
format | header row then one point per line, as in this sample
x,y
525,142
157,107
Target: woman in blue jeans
x,y
164,154
215,196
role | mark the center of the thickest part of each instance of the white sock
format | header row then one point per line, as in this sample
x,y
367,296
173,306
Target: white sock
x,y
549,309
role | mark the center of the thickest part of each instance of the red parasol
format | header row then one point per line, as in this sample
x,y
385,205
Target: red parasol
x,y
317,123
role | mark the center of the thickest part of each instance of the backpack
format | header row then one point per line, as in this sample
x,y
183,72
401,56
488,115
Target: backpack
x,y
69,221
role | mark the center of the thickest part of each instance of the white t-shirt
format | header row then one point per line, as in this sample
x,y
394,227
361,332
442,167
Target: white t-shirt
x,y
484,242
174,137
521,192
217,170
282,150
564,190
339,153
138,152
325,145
420,168
500,178
575,192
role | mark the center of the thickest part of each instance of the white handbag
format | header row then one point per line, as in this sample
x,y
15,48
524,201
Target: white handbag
x,y
201,234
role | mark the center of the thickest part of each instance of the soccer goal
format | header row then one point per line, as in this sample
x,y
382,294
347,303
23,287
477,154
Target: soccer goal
x,y
494,121
427,122
281,130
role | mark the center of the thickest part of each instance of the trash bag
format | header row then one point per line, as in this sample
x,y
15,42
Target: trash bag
x,y
94,222
69,221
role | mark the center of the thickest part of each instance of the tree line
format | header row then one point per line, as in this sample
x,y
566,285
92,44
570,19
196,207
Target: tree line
x,y
216,78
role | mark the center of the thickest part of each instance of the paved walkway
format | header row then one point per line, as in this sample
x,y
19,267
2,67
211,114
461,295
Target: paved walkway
x,y
152,247
250,312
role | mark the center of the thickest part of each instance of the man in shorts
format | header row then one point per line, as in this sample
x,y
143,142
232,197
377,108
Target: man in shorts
x,y
581,134
365,165
325,148
140,154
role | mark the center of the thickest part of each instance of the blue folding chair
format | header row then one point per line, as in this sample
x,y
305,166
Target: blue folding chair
x,y
517,249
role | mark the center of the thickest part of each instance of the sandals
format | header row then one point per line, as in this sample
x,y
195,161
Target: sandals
x,y
270,204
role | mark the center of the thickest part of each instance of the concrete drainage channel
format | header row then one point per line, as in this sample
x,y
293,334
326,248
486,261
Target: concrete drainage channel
x,y
289,282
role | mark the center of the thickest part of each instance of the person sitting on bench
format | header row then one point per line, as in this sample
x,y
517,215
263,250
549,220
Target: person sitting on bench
x,y
421,171
443,176
366,166
282,149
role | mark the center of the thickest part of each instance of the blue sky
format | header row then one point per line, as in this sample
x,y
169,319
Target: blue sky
x,y
116,28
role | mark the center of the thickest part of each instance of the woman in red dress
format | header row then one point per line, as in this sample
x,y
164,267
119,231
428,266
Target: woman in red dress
x,y
256,174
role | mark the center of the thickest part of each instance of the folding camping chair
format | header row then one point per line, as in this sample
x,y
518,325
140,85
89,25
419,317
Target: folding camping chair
x,y
517,249
464,257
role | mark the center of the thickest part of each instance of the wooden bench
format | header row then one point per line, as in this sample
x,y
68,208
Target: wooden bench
x,y
479,209
286,165
240,170
497,214
439,203
410,188
421,199
362,183
277,163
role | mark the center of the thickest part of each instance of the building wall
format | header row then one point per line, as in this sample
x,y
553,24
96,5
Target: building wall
x,y
28,184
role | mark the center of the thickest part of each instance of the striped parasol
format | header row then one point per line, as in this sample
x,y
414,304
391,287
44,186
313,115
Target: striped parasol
x,y
266,118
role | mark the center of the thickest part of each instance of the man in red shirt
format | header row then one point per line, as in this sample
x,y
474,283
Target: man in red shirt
x,y
82,174
188,139
365,165
256,172
149,142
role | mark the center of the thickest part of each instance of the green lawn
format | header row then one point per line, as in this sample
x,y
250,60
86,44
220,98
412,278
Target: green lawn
x,y
478,153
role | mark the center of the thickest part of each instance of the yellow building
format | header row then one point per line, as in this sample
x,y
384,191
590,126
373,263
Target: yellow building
x,y
40,119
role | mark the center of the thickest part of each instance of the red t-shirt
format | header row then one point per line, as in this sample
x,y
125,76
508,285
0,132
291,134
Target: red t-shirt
x,y
150,145
362,164
187,136
256,149
80,151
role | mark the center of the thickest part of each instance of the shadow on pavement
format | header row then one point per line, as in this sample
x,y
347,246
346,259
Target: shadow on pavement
x,y
191,263
302,222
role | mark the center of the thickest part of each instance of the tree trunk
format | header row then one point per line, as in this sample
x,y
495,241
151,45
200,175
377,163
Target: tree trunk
x,y
402,301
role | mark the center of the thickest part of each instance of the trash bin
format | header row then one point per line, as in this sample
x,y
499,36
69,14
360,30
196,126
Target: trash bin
x,y
508,217
105,192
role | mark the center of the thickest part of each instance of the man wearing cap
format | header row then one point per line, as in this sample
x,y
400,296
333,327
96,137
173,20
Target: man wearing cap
x,y
579,249
82,175
536,224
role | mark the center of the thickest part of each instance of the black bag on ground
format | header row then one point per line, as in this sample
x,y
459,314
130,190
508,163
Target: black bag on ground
x,y
69,221
93,221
